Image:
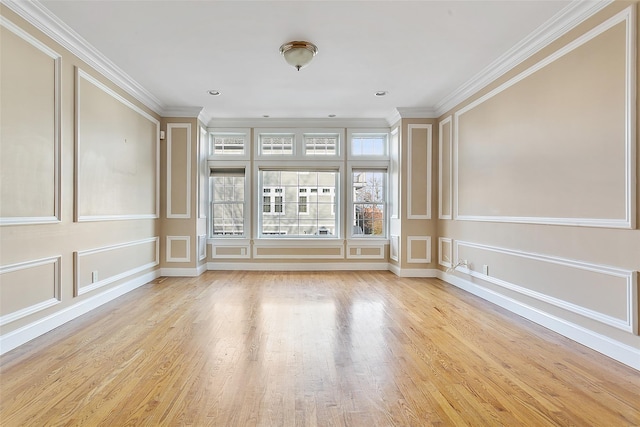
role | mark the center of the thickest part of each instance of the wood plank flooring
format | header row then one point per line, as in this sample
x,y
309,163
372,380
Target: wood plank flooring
x,y
310,349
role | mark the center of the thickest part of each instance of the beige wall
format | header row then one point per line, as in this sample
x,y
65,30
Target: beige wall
x,y
544,182
47,256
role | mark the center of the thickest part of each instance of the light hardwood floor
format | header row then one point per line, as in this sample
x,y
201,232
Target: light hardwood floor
x,y
305,349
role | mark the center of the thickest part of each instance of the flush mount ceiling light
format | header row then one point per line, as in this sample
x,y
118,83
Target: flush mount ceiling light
x,y
214,92
298,53
381,93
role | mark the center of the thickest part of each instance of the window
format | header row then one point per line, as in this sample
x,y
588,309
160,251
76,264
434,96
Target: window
x,y
227,202
292,208
229,143
369,144
321,144
369,203
276,144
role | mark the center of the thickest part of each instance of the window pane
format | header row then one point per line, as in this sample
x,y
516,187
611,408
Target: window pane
x,y
369,145
228,144
227,203
298,206
369,197
276,144
321,145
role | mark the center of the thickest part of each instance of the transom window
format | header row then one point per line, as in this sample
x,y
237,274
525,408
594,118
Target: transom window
x,y
369,144
321,144
291,207
271,144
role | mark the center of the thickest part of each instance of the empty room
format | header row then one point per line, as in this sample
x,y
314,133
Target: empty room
x,y
319,213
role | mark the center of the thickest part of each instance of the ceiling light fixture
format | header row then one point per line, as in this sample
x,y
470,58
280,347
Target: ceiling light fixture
x,y
298,53
214,92
381,93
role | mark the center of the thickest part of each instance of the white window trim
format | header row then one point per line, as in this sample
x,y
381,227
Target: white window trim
x,y
367,165
247,198
371,131
299,153
298,166
229,131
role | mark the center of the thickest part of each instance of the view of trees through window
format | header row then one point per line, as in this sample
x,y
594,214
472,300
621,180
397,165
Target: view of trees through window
x,y
369,203
227,202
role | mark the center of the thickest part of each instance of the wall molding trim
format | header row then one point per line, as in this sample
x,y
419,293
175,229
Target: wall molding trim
x,y
42,305
629,324
57,144
441,145
79,254
183,272
20,336
564,21
170,214
411,127
442,257
169,242
306,266
616,350
627,16
81,74
410,258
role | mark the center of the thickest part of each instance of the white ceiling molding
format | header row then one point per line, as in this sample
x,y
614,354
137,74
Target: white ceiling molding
x,y
569,17
394,118
417,113
41,18
297,123
181,112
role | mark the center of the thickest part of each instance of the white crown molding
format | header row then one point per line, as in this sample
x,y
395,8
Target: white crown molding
x,y
417,113
41,18
393,118
178,111
296,123
568,18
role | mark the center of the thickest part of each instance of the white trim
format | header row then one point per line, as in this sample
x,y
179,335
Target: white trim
x,y
183,272
621,352
54,300
441,255
410,258
288,244
202,247
410,214
630,140
449,145
293,122
79,254
395,152
394,243
187,214
20,336
169,242
181,112
202,173
40,17
242,244
568,18
628,324
306,266
417,113
81,74
358,244
413,272
57,144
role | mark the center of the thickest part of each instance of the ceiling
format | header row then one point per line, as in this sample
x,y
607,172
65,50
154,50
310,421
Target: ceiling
x,y
420,52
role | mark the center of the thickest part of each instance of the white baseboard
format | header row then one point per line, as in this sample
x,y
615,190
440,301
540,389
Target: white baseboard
x,y
183,272
621,352
413,272
303,266
13,339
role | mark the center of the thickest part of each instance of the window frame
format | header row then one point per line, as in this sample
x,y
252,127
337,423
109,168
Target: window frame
x,y
244,132
372,166
336,167
246,225
351,132
299,152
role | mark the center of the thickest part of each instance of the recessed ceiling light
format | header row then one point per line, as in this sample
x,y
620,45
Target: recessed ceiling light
x,y
381,93
266,116
332,115
214,92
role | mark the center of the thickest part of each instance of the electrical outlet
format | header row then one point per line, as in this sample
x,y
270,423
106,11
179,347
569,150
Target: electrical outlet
x,y
94,276
485,269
